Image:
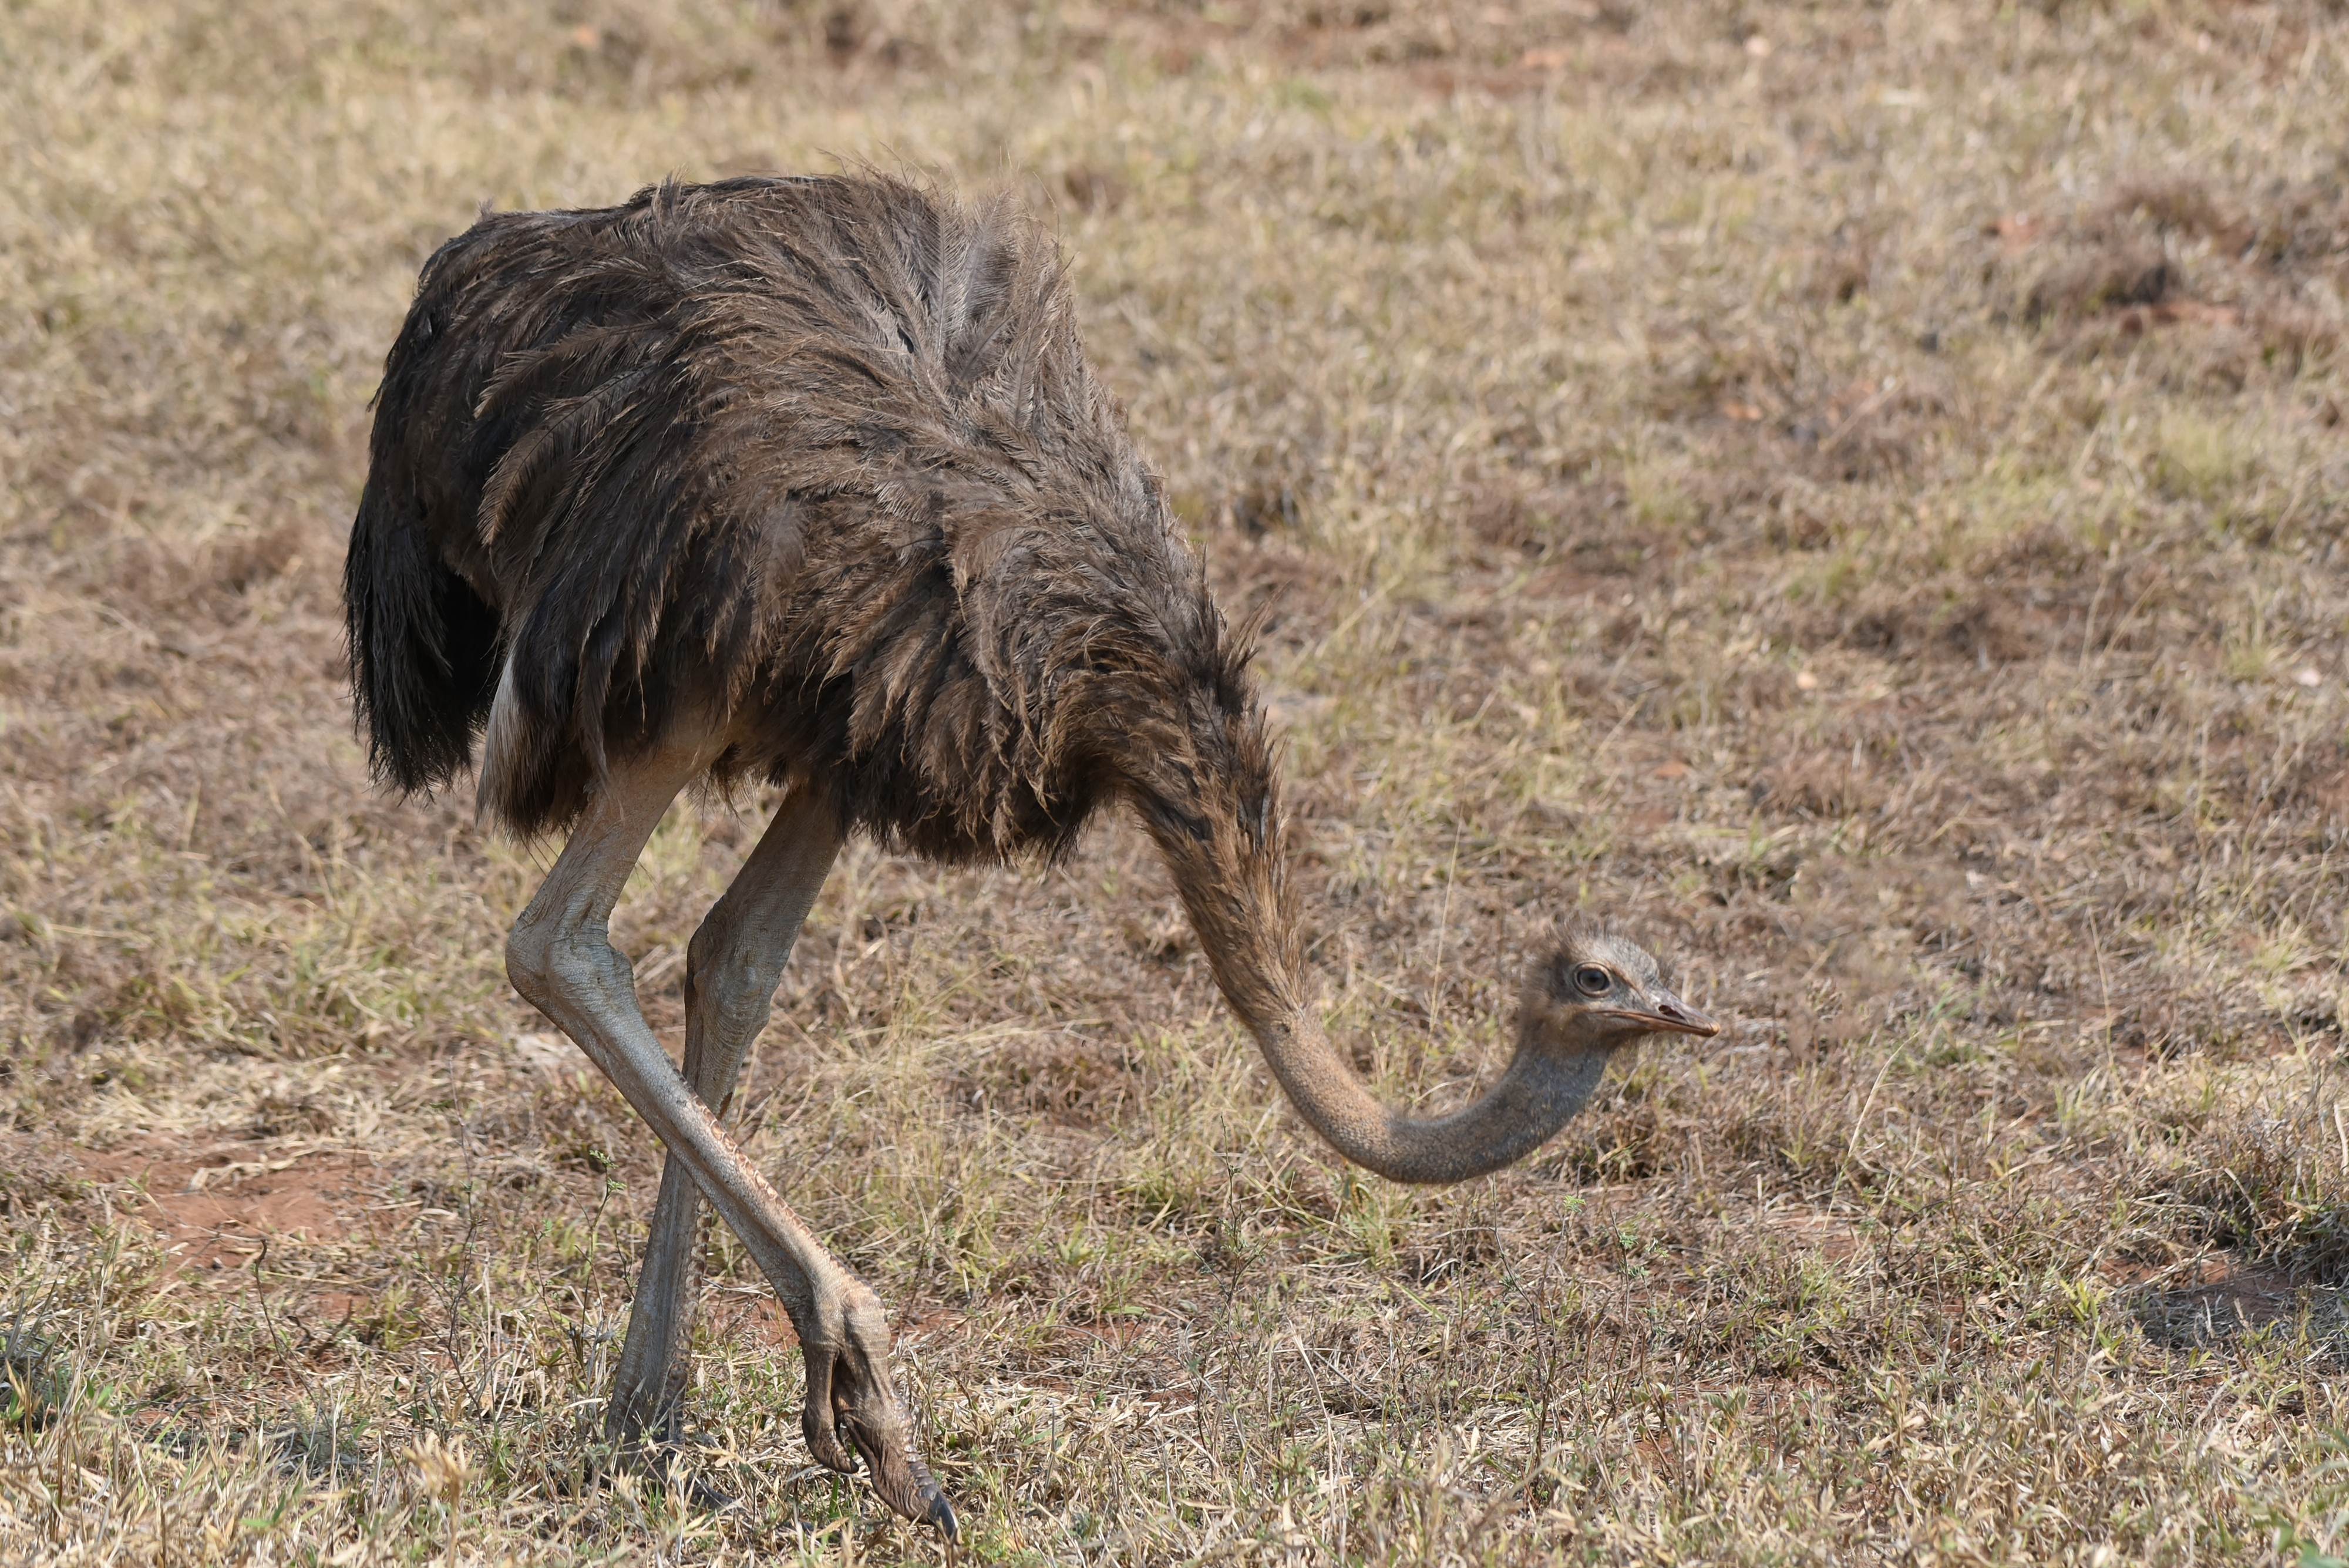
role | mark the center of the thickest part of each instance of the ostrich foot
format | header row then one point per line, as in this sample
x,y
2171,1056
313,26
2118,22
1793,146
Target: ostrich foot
x,y
852,1408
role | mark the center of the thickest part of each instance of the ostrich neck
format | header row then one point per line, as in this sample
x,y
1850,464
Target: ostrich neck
x,y
1234,885
1532,1098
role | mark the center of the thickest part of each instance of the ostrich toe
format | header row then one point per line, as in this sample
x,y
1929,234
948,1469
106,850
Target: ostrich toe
x,y
853,1410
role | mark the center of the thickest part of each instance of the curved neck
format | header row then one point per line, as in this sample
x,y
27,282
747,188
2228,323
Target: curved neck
x,y
1228,864
1536,1094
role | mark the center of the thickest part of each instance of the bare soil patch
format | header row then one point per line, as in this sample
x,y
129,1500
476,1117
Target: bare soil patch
x,y
218,1208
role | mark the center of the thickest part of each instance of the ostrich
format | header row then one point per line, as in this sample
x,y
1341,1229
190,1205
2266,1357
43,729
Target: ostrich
x,y
808,481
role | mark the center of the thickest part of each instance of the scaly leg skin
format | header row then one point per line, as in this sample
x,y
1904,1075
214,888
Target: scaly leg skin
x,y
731,968
559,956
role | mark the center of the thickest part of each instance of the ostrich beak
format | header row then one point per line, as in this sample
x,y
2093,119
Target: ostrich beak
x,y
1661,1013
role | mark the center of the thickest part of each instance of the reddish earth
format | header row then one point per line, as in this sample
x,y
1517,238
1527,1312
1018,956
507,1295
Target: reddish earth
x,y
760,1321
216,1208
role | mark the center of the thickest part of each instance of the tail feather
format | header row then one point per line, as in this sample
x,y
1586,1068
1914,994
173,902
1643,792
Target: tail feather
x,y
423,646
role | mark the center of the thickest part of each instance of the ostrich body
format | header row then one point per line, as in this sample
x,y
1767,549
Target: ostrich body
x,y
809,481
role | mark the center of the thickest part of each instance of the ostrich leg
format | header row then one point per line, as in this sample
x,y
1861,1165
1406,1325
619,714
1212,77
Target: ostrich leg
x,y
560,957
731,970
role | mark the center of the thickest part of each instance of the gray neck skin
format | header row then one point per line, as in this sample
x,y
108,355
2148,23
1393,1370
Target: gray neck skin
x,y
1221,834
1542,1086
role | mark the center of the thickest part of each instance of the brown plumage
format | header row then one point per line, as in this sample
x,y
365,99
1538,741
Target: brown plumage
x,y
821,456
808,481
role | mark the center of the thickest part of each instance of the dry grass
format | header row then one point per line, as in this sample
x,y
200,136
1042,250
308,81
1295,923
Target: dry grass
x,y
1855,492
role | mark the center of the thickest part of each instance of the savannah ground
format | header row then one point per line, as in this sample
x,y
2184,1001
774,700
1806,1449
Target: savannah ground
x,y
1855,494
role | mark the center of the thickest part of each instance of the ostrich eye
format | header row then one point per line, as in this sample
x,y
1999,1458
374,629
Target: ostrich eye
x,y
1594,980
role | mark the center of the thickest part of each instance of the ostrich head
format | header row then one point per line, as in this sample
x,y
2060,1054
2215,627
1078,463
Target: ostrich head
x,y
1597,992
